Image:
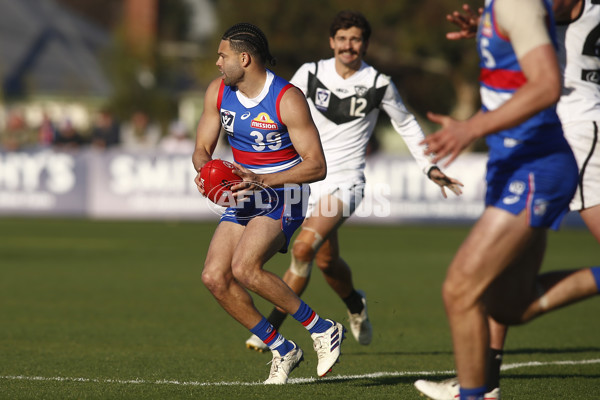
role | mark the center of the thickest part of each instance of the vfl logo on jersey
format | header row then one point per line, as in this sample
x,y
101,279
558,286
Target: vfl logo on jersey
x,y
486,26
322,98
264,121
227,120
361,91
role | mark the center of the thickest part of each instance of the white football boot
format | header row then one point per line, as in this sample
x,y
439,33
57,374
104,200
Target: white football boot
x,y
360,326
328,347
281,367
448,390
254,343
443,390
493,395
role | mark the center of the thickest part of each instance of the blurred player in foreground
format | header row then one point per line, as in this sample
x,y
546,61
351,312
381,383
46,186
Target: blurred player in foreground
x,y
345,95
274,142
532,176
579,112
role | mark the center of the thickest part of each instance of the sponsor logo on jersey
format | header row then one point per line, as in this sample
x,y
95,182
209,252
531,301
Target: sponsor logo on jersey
x,y
264,121
322,98
486,26
245,115
360,90
227,120
341,90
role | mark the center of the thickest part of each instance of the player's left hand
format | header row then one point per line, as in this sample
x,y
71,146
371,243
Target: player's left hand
x,y
250,182
444,181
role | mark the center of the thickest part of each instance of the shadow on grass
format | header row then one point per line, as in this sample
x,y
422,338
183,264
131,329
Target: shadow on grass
x,y
582,375
410,380
546,350
542,350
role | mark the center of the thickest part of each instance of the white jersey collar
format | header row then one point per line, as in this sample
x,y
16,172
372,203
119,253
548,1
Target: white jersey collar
x,y
249,103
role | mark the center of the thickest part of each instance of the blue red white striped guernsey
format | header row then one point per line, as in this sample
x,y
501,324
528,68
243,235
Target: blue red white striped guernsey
x,y
258,138
500,77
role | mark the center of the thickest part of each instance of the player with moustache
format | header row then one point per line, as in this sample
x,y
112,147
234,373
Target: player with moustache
x,y
274,142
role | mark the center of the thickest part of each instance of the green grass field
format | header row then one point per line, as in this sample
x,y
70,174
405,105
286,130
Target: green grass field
x,y
117,310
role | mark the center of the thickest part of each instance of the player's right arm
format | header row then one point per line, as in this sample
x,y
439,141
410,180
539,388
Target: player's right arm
x,y
209,128
528,34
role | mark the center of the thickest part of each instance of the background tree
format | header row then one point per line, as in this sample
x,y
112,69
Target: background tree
x,y
408,43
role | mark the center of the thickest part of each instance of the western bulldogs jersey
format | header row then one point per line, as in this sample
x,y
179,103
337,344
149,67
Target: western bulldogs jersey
x,y
580,100
345,112
258,139
500,77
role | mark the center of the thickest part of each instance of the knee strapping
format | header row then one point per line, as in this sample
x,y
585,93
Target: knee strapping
x,y
300,267
317,239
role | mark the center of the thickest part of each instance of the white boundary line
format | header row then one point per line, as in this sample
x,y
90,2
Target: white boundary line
x,y
291,381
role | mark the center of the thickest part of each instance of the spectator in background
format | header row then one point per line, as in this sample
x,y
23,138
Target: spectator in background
x,y
17,135
139,133
46,132
68,138
106,131
178,140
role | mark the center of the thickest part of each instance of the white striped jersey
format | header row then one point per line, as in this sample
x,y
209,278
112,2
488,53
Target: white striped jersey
x,y
579,57
345,112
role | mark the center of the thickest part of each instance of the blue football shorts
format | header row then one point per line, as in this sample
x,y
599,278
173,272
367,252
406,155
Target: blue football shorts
x,y
287,204
543,187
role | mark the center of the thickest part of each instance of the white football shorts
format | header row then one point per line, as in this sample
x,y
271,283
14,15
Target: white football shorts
x,y
350,193
584,139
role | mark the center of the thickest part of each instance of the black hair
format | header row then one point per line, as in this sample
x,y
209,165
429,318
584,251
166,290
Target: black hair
x,y
245,37
347,19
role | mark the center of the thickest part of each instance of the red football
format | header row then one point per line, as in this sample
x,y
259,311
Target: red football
x,y
216,178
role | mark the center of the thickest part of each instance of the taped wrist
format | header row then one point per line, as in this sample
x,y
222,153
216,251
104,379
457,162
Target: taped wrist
x,y
434,167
